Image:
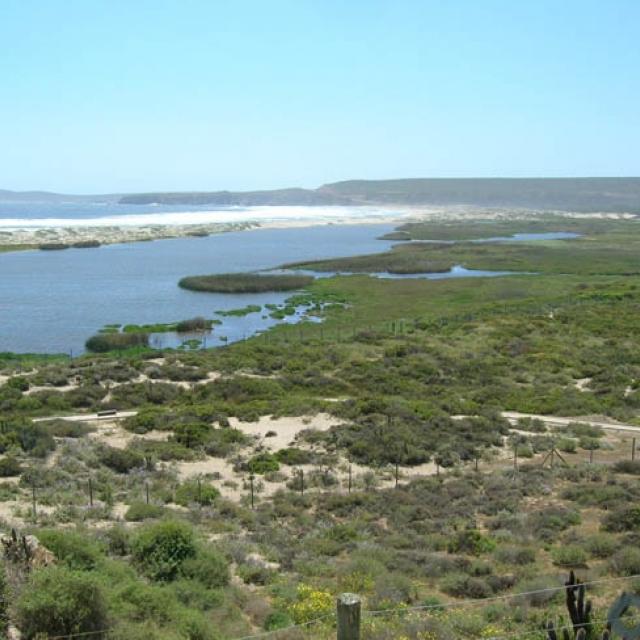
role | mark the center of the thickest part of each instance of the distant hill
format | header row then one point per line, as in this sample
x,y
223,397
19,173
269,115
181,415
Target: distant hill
x,y
566,194
570,194
47,196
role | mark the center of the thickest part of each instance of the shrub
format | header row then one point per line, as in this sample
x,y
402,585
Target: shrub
x,y
191,492
76,550
139,511
569,556
583,430
255,574
294,456
58,601
193,324
515,555
463,586
601,545
541,592
208,567
626,562
277,620
567,445
161,549
9,467
263,463
67,429
20,383
310,603
105,342
117,540
192,434
631,467
35,439
120,460
624,519
471,541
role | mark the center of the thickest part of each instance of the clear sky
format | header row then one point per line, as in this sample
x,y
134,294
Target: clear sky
x,y
143,95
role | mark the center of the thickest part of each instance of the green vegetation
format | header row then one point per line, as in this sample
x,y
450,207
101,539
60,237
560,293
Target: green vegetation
x,y
104,342
53,246
244,311
86,244
245,283
222,508
183,326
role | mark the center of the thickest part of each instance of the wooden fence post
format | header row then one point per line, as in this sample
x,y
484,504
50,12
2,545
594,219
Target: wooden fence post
x,y
633,449
348,615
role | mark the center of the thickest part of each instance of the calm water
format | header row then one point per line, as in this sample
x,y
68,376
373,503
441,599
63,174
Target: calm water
x,y
51,302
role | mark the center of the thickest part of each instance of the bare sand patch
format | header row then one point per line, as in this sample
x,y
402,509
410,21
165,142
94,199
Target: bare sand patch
x,y
286,429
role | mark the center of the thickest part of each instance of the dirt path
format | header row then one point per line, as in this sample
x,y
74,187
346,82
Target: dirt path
x,y
555,421
83,417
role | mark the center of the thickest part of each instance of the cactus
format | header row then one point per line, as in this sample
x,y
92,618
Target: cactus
x,y
579,609
580,613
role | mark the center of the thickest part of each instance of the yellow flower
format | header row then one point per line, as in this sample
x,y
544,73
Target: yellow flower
x,y
310,604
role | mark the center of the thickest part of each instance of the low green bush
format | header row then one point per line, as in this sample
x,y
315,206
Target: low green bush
x,y
471,541
120,460
464,586
60,602
20,383
601,545
104,342
294,456
9,467
263,463
68,429
161,549
622,519
75,550
193,324
569,556
567,445
255,574
515,555
207,566
631,467
190,492
139,511
625,562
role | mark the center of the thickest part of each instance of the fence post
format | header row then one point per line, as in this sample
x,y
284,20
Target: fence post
x,y
633,449
348,615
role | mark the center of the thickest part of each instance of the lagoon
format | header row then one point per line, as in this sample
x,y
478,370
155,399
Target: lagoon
x,y
51,302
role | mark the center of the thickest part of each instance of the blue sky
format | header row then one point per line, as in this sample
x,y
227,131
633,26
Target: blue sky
x,y
142,95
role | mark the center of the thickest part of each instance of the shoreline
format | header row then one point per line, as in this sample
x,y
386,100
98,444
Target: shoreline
x,y
21,235
32,236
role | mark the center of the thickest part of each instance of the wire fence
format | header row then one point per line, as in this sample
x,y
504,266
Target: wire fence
x,y
403,611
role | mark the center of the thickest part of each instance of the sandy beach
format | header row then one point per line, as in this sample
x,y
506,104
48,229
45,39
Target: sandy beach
x,y
18,233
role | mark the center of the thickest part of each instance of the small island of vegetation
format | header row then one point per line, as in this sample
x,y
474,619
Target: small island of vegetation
x,y
245,282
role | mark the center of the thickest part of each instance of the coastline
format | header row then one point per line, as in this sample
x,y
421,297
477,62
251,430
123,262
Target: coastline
x,y
18,235
25,234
